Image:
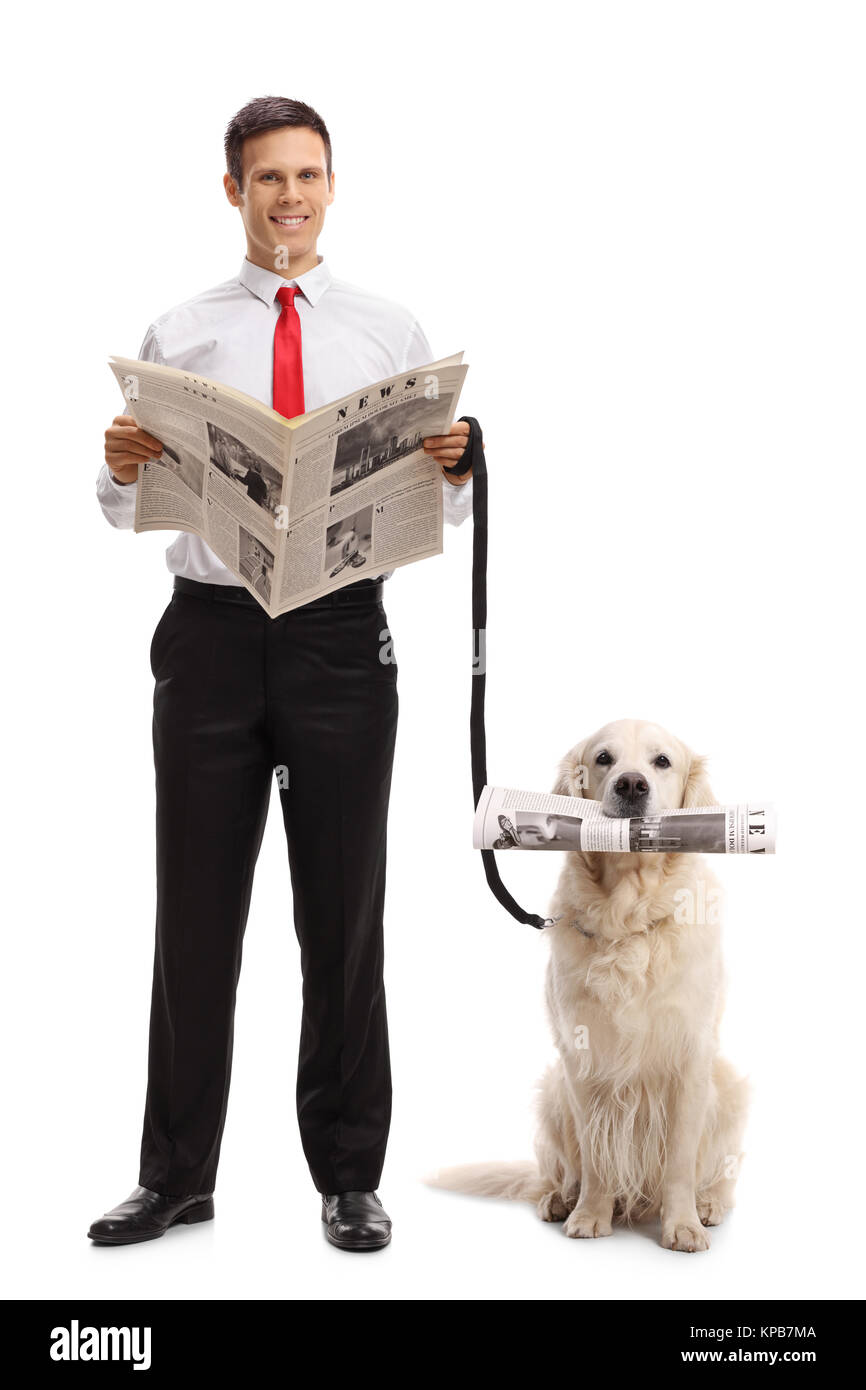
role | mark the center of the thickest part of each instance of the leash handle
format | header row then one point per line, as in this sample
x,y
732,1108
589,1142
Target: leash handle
x,y
473,457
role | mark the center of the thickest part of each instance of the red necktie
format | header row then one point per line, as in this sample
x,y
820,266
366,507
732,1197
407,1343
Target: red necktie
x,y
288,364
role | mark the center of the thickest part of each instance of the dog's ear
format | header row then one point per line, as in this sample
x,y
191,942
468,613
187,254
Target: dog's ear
x,y
572,774
697,790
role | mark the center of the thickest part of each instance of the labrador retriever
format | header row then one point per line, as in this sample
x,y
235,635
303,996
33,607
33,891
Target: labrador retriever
x,y
639,1118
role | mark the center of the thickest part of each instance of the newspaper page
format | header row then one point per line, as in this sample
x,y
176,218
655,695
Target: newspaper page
x,y
508,819
361,493
294,508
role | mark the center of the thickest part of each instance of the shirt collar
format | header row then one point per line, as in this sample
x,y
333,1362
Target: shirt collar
x,y
265,283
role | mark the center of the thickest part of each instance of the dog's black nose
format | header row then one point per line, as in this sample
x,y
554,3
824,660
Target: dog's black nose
x,y
631,787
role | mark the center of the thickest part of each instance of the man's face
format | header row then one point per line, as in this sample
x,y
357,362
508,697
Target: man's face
x,y
283,198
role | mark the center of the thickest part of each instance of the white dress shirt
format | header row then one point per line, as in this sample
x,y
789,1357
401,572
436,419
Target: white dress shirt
x,y
349,339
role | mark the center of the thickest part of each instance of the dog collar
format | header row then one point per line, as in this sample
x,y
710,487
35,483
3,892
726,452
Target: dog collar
x,y
552,921
593,936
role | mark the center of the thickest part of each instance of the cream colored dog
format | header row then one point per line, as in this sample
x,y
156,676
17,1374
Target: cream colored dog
x,y
639,1117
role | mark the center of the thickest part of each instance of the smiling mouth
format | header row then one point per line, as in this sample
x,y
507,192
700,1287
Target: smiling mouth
x,y
290,221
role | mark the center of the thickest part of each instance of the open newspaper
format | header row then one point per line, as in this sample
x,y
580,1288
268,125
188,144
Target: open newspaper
x,y
295,508
508,819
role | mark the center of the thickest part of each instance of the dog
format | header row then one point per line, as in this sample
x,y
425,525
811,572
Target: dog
x,y
639,1118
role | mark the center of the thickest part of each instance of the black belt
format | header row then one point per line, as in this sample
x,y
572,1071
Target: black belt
x,y
473,457
362,591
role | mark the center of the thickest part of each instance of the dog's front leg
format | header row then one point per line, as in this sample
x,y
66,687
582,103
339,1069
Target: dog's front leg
x,y
593,1215
681,1225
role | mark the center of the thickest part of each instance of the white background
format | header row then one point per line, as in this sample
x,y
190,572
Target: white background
x,y
644,225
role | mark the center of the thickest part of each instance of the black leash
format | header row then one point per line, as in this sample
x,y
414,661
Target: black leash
x,y
473,457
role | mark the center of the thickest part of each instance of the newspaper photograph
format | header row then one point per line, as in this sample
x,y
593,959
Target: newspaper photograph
x,y
508,819
295,508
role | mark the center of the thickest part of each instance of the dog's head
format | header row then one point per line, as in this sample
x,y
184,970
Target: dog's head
x,y
634,769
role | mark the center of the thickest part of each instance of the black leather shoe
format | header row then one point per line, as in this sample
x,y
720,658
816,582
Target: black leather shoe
x,y
355,1220
145,1215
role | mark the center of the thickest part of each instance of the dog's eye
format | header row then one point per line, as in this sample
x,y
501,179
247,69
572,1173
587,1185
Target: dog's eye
x,y
604,758
662,761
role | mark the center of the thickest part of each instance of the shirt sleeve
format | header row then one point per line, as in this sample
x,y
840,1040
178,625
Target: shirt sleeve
x,y
456,497
117,500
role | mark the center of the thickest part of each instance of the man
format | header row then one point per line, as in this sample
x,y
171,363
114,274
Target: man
x,y
257,488
238,695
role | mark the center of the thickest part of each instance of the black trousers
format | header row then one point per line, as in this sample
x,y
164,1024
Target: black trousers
x,y
312,694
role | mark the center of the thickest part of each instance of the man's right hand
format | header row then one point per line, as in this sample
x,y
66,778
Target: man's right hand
x,y
126,446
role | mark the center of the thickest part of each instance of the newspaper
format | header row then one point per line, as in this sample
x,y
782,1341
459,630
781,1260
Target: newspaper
x,y
508,819
295,508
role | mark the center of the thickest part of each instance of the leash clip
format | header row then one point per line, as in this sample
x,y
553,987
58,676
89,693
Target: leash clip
x,y
551,921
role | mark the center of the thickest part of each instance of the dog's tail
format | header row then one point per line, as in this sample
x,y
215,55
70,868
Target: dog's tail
x,y
520,1181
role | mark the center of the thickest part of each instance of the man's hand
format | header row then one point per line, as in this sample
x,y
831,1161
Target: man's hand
x,y
126,446
448,449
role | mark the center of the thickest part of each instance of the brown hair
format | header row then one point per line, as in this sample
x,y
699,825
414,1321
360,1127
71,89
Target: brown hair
x,y
270,113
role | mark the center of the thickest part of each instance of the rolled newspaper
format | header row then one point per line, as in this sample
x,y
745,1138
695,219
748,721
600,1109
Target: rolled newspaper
x,y
509,819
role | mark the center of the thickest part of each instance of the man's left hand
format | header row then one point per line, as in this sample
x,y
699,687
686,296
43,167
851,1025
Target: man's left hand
x,y
448,449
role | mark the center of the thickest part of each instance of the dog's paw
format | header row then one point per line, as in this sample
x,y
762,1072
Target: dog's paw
x,y
685,1235
551,1207
584,1224
710,1210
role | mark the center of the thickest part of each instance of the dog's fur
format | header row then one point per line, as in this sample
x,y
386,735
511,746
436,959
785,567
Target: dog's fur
x,y
639,1117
